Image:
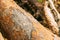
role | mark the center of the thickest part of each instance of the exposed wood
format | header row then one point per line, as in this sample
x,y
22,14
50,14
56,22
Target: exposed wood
x,y
1,37
20,25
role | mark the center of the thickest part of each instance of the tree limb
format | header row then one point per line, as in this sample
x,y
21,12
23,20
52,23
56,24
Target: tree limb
x,y
50,19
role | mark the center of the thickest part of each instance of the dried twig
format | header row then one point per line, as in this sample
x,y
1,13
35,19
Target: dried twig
x,y
50,19
56,13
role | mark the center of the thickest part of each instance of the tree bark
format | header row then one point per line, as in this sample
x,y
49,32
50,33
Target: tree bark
x,y
20,25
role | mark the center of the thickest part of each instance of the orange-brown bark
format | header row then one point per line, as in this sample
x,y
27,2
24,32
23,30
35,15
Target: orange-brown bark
x,y
20,25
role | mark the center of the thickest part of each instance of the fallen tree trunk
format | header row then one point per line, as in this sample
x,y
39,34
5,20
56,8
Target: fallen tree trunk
x,y
20,25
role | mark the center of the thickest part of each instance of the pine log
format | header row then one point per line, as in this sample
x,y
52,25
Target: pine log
x,y
20,25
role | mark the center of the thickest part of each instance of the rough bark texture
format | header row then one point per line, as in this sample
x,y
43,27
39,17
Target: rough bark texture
x,y
20,25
